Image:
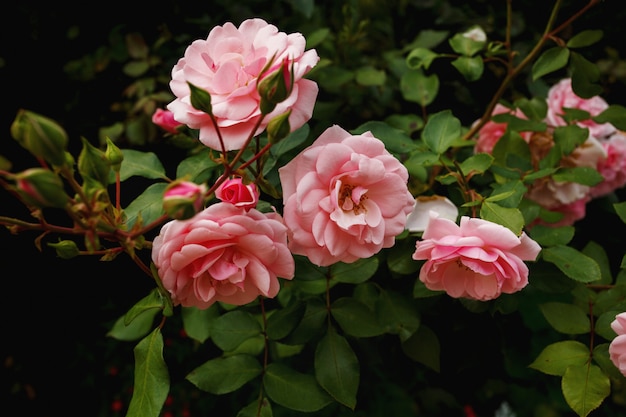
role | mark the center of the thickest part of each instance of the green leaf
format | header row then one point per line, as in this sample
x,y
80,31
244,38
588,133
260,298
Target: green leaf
x,y
397,314
311,324
355,318
233,328
225,374
254,409
337,368
197,322
282,321
573,263
294,390
555,358
148,206
136,329
356,272
585,38
369,76
552,236
152,381
471,68
566,318
602,357
476,164
585,76
572,136
614,114
141,164
549,61
441,130
154,300
418,88
420,58
509,217
620,209
581,175
292,141
598,254
197,168
585,387
424,347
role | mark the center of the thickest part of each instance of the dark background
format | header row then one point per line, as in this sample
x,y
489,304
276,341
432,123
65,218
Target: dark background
x,y
55,313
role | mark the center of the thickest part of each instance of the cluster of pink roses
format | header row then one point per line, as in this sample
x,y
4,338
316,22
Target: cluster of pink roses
x,y
345,197
604,150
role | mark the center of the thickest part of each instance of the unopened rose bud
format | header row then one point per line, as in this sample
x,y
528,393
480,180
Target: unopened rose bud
x,y
200,99
183,199
66,249
278,128
165,120
242,195
41,188
41,136
114,155
275,87
93,163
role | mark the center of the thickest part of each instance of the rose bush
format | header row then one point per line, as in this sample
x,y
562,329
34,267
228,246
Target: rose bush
x,y
325,221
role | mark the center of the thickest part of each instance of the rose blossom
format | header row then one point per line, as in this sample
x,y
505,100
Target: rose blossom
x,y
234,191
165,120
477,259
228,65
419,217
345,198
561,95
617,347
613,167
224,253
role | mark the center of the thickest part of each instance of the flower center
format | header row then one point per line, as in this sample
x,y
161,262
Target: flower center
x,y
351,198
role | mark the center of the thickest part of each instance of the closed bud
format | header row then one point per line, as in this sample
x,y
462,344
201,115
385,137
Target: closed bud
x,y
114,155
93,163
41,188
183,199
200,99
234,191
275,87
66,249
278,128
41,136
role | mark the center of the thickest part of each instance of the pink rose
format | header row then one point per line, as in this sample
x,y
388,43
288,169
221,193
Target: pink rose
x,y
478,259
613,167
234,191
224,253
617,348
165,120
228,65
491,132
345,198
562,96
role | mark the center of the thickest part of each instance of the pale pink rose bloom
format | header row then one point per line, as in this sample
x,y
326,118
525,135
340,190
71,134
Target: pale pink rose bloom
x,y
562,96
617,347
165,120
491,132
613,167
551,194
227,65
345,198
234,191
418,219
224,253
477,259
